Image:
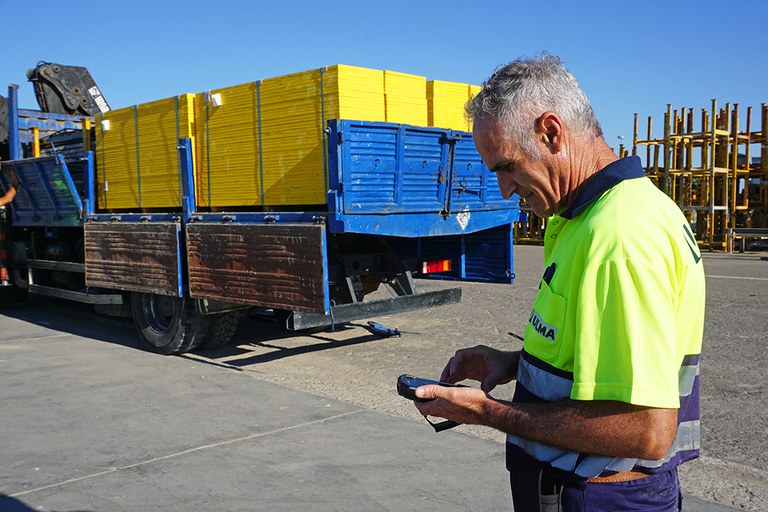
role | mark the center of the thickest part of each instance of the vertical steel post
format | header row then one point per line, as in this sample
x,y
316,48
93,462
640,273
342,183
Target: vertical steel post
x,y
14,147
188,205
713,154
35,142
764,156
734,182
90,185
648,150
86,134
667,146
634,140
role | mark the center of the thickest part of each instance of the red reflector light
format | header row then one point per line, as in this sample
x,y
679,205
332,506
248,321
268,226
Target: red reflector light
x,y
431,267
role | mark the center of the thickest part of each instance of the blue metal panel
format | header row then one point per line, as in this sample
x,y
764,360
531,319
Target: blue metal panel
x,y
326,280
21,122
489,255
46,123
485,256
474,186
401,180
420,224
187,177
46,195
386,168
136,217
261,218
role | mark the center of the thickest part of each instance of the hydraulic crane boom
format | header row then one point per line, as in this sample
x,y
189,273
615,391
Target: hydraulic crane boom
x,y
66,90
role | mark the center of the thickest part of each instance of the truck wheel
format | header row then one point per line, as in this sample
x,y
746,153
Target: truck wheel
x,y
167,325
221,328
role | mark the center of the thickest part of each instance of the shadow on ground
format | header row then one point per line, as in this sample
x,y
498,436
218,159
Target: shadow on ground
x,y
9,504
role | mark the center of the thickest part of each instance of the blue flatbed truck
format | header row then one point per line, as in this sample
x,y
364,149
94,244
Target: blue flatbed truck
x,y
184,275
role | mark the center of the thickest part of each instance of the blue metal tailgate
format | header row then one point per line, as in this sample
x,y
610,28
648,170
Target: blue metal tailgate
x,y
45,195
409,181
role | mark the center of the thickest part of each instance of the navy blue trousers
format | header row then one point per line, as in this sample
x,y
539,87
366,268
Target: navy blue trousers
x,y
655,493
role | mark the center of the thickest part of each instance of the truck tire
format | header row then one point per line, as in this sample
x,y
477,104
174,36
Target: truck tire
x,y
221,328
168,325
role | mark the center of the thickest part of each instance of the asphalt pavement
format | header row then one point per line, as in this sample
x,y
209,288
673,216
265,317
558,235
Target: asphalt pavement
x,y
91,422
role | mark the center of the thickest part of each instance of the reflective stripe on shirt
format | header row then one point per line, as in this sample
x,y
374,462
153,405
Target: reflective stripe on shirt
x,y
538,381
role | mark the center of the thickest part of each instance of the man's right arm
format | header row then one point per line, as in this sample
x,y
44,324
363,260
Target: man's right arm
x,y
8,197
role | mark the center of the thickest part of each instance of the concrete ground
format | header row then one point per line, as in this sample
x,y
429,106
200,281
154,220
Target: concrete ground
x,y
279,421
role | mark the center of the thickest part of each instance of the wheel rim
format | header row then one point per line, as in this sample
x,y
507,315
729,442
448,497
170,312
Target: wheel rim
x,y
159,312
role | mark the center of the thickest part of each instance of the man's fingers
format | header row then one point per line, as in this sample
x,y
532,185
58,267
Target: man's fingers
x,y
456,370
446,371
451,370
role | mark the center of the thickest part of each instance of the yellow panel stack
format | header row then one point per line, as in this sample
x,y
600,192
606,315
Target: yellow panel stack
x,y
405,98
294,112
138,159
116,159
228,172
473,90
259,144
446,102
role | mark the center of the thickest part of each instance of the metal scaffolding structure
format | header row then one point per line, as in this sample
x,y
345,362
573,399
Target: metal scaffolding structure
x,y
530,228
714,165
711,171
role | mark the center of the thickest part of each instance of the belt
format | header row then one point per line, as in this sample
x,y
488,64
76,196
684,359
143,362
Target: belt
x,y
623,476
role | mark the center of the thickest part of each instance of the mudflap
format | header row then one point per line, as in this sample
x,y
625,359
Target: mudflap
x,y
280,266
136,256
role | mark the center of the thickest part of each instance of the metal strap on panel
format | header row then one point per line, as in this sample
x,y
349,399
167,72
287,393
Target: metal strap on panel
x,y
323,134
138,159
208,147
258,127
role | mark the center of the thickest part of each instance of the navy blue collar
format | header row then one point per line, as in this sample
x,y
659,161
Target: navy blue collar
x,y
605,179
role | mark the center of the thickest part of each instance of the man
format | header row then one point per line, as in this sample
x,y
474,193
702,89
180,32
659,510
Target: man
x,y
606,404
10,194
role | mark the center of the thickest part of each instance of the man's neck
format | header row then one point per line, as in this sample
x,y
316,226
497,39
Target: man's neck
x,y
586,160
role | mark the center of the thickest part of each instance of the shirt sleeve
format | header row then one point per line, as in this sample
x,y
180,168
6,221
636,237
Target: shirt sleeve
x,y
625,343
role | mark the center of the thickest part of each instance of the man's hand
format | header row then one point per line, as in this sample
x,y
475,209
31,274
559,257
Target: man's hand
x,y
463,405
488,366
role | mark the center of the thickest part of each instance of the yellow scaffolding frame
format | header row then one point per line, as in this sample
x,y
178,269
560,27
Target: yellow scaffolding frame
x,y
530,228
708,171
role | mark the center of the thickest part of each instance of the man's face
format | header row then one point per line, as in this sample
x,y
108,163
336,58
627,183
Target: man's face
x,y
517,172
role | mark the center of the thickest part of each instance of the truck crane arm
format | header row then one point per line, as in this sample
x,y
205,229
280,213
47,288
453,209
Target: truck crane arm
x,y
64,89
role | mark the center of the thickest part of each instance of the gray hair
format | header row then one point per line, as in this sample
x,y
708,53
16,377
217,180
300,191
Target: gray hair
x,y
519,92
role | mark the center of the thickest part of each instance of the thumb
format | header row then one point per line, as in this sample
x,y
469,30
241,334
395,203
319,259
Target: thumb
x,y
428,392
491,381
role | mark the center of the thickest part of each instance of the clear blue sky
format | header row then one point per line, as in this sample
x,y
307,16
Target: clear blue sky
x,y
629,56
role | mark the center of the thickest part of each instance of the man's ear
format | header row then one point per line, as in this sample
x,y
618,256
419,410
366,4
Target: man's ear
x,y
550,130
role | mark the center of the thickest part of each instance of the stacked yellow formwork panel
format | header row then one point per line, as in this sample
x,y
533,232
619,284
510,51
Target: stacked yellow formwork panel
x,y
473,91
294,112
405,98
259,144
138,163
228,169
446,101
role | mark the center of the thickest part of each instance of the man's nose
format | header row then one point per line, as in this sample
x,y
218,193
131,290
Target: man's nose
x,y
507,187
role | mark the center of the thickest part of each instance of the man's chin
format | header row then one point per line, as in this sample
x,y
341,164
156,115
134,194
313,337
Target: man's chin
x,y
541,210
